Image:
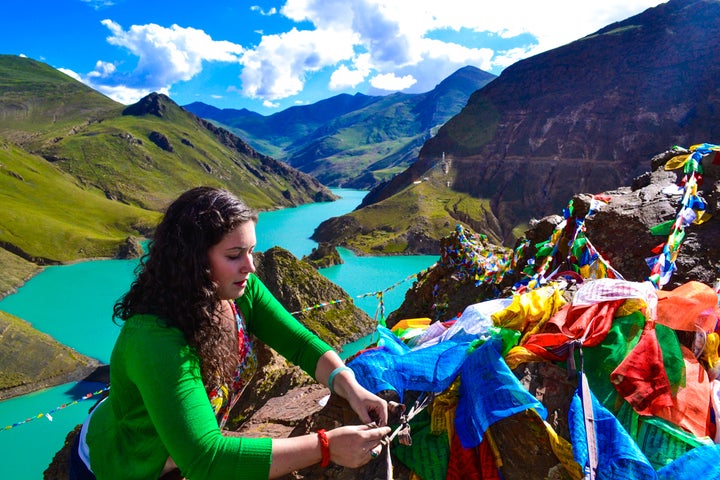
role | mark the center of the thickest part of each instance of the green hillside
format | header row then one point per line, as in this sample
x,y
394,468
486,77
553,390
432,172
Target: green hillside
x,y
38,102
15,271
47,216
80,173
381,140
430,209
355,141
33,359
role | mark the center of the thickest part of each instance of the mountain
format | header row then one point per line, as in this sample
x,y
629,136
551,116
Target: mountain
x,y
579,118
353,141
80,173
272,133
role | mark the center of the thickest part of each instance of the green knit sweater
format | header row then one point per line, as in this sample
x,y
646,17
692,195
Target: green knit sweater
x,y
158,406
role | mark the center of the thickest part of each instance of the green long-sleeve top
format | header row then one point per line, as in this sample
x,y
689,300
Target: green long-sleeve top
x,y
158,406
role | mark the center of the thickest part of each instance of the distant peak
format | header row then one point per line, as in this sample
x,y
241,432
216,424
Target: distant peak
x,y
152,104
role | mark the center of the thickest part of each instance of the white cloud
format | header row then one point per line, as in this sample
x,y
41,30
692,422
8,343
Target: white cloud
x,y
395,33
508,57
267,13
343,77
120,93
391,82
103,70
70,73
127,95
388,44
169,55
165,56
278,66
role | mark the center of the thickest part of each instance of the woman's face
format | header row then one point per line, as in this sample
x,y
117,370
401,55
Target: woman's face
x,y
231,261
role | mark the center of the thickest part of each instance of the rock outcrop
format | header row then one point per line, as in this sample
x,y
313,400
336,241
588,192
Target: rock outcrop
x,y
32,360
323,256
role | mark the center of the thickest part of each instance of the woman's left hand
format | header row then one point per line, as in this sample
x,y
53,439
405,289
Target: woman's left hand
x,y
368,406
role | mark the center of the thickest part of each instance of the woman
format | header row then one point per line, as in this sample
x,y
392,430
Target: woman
x,y
184,355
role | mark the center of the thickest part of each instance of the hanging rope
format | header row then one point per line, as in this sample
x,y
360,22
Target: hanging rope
x,y
692,210
380,294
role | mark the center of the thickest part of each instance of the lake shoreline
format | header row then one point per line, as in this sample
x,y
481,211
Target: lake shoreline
x,y
97,372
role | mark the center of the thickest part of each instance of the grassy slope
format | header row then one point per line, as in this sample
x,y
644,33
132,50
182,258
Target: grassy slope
x,y
118,157
38,102
16,271
355,142
105,176
46,214
428,205
27,356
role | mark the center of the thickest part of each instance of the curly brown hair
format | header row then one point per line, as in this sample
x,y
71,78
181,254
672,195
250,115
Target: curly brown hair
x,y
173,279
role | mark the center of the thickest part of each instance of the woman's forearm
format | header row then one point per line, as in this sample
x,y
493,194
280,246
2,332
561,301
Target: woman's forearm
x,y
290,454
326,364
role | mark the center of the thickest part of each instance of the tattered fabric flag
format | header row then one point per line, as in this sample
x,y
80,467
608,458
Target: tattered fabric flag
x,y
677,161
641,378
662,229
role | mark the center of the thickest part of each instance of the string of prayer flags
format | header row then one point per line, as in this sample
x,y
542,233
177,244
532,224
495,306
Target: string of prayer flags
x,y
48,415
692,210
472,258
379,294
578,254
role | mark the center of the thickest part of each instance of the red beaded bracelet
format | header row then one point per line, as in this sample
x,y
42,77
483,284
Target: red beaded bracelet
x,y
324,447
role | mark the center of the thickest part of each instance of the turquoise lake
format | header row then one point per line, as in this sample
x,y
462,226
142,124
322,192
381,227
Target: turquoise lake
x,y
73,304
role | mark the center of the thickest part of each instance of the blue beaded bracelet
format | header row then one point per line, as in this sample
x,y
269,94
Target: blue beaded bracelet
x,y
331,378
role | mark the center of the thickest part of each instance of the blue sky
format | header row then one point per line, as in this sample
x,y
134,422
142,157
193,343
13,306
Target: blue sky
x,y
270,55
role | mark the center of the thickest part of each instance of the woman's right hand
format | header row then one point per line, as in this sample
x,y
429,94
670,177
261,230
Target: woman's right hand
x,y
353,445
350,446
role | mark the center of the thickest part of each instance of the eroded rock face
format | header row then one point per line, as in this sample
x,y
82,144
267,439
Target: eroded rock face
x,y
621,229
132,248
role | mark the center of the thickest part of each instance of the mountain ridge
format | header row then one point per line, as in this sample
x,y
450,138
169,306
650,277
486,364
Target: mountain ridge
x,y
353,140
